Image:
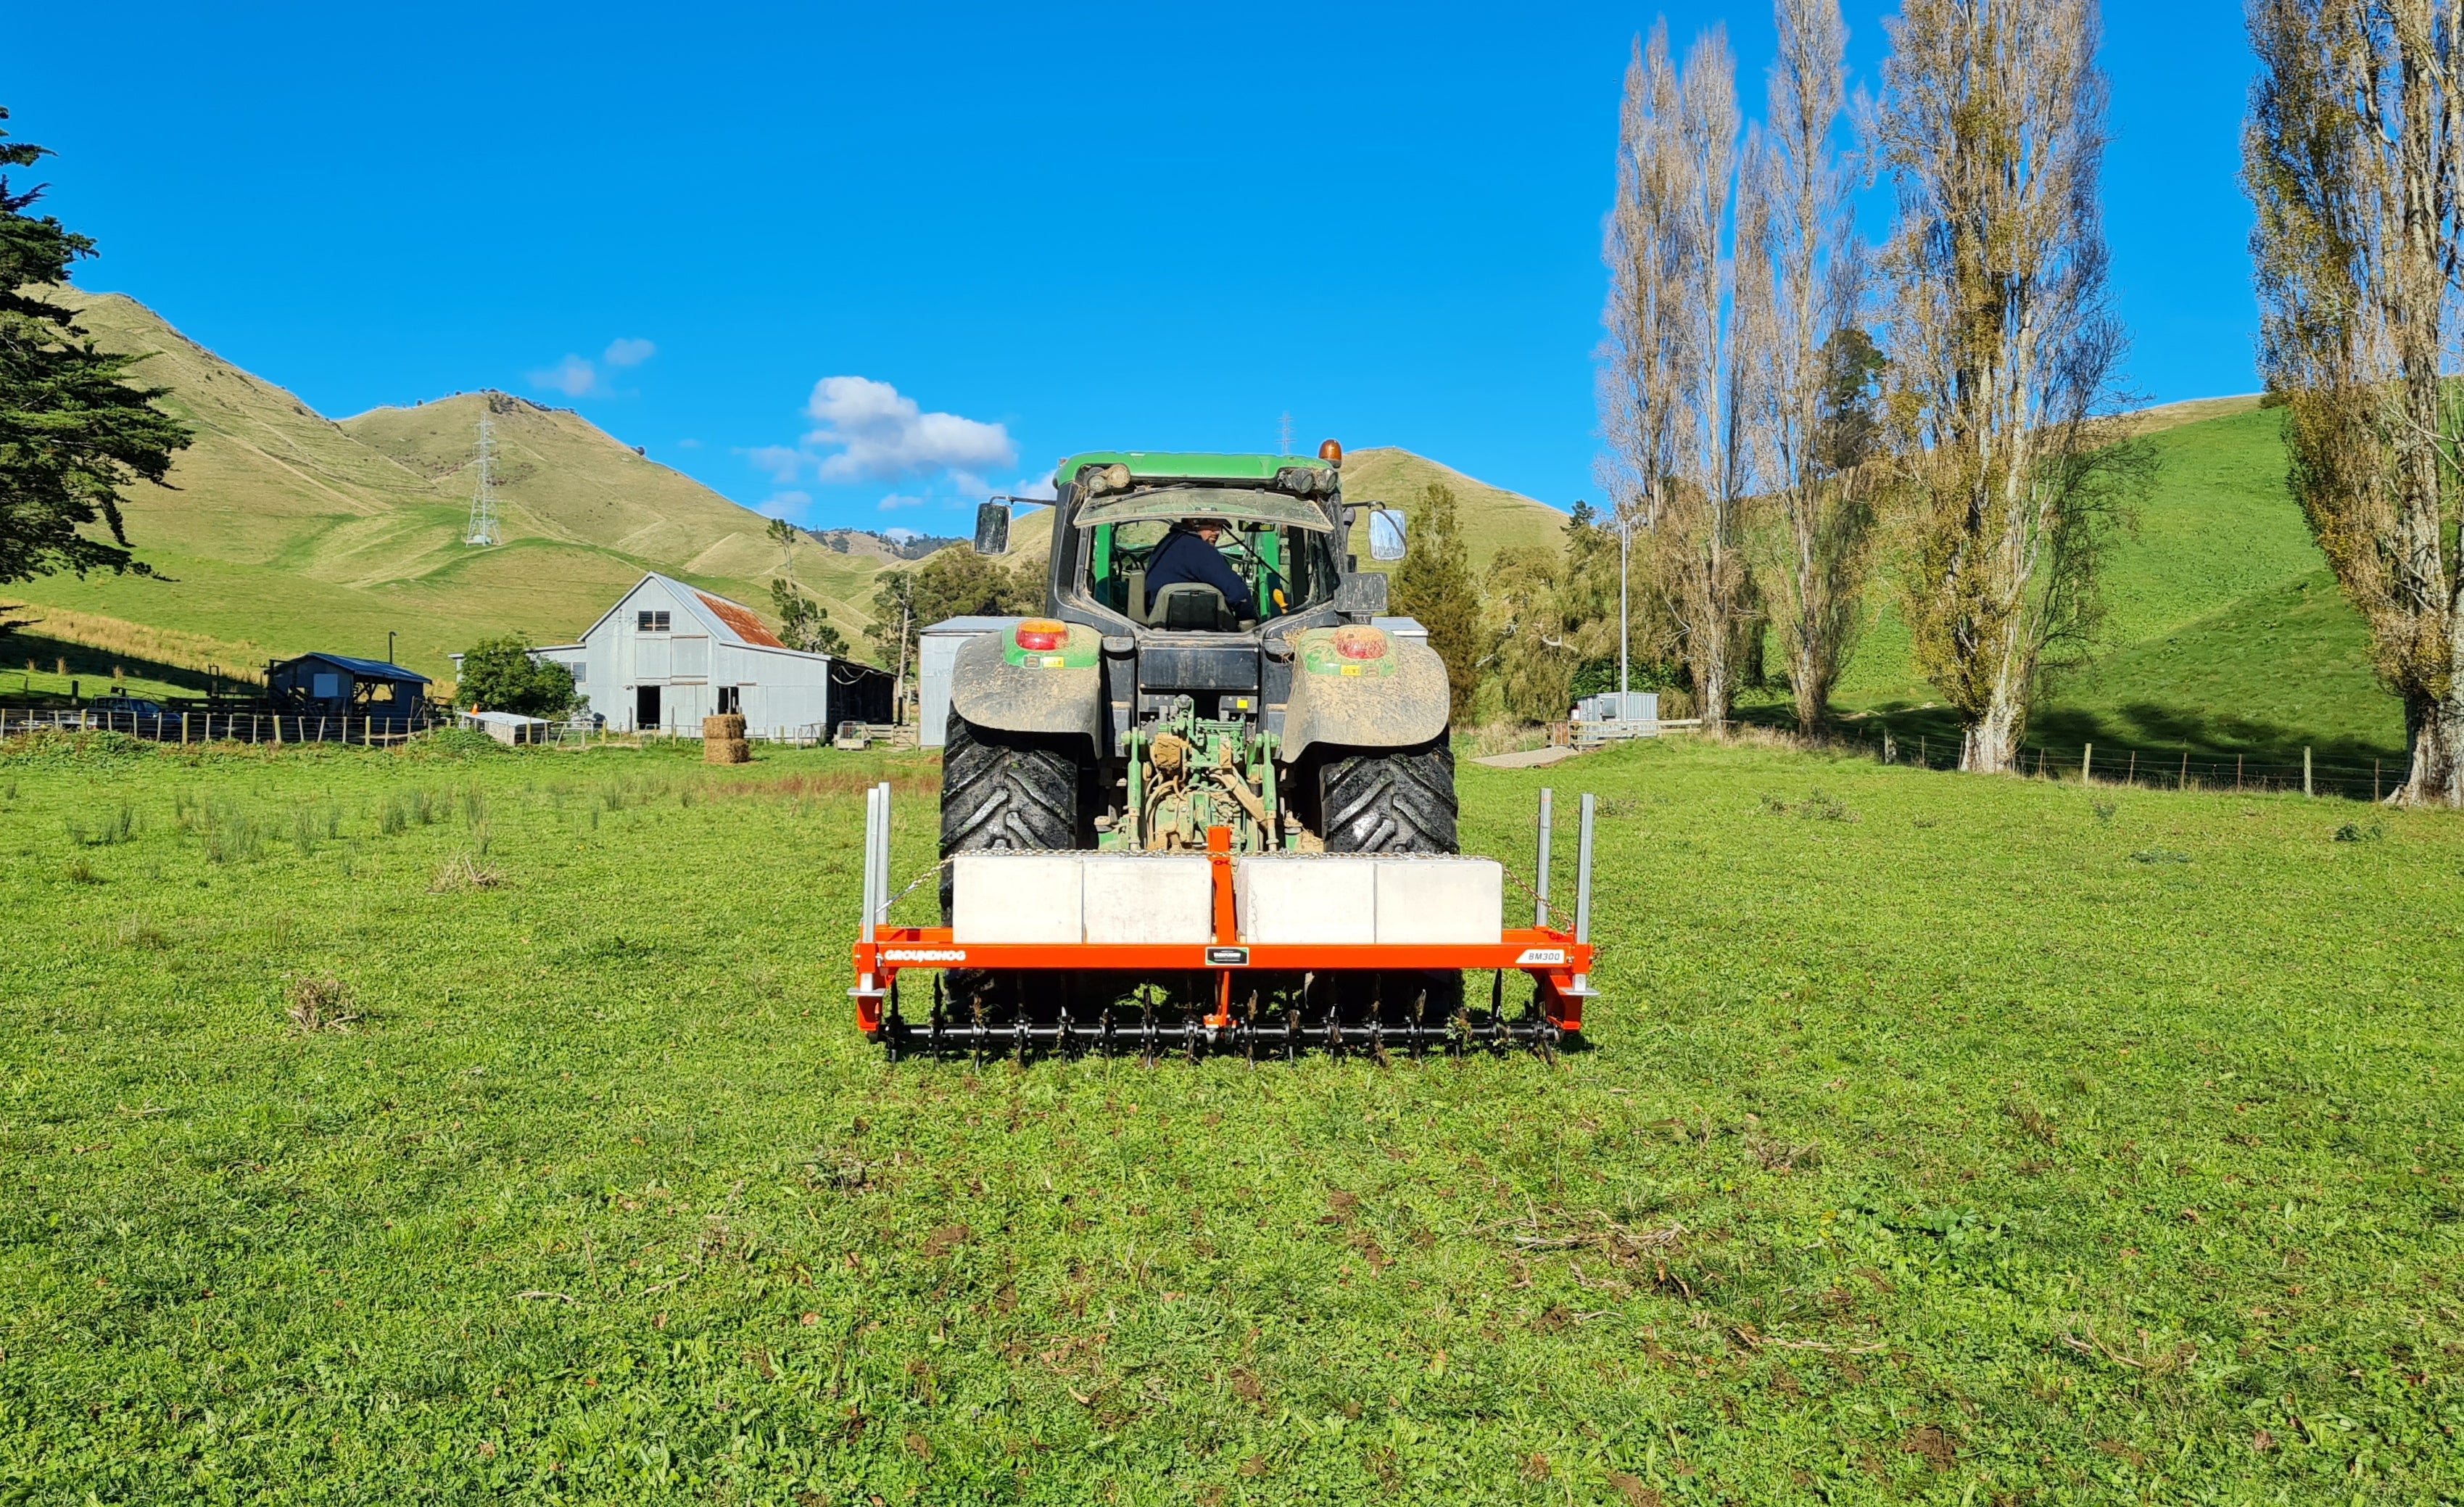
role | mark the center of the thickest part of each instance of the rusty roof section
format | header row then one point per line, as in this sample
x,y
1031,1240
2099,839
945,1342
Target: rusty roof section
x,y
747,625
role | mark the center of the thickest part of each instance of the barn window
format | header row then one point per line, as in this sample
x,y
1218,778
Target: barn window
x,y
652,623
581,671
731,701
327,687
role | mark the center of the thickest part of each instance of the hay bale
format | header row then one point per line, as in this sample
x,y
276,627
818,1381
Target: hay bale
x,y
726,750
729,725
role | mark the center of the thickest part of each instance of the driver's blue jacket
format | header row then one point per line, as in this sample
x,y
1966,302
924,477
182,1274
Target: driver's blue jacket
x,y
1183,557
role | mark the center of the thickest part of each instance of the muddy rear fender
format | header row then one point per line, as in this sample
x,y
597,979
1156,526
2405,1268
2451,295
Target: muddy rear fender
x,y
1396,700
995,683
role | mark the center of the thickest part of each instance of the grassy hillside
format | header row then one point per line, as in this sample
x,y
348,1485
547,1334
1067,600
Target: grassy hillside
x,y
1491,517
2224,634
1940,1141
284,531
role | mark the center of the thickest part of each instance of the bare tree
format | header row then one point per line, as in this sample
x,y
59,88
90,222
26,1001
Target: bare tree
x,y
2352,158
1806,360
2005,347
1666,400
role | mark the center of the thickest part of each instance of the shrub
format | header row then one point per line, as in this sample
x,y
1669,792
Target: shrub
x,y
500,675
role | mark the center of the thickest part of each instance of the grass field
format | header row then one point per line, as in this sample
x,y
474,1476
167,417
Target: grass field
x,y
1939,1140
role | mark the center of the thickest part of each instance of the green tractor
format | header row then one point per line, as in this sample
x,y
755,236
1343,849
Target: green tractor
x,y
1264,693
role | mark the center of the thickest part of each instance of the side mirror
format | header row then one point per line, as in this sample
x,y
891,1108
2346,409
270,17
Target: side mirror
x,y
992,528
1386,535
1361,596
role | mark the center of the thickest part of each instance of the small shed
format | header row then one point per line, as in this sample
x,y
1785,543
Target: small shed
x,y
507,727
339,686
668,654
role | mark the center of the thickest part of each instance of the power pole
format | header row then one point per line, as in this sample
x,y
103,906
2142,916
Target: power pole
x,y
1286,436
483,529
1625,635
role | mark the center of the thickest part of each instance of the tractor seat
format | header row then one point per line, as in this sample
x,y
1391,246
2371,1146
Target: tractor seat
x,y
1191,604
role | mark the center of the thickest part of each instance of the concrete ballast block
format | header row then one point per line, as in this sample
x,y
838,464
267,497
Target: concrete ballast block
x,y
1441,900
1313,897
1149,898
1017,896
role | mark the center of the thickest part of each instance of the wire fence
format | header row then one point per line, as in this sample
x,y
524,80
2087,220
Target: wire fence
x,y
2156,768
217,727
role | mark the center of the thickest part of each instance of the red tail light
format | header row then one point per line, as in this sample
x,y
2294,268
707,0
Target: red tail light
x,y
1042,632
1360,643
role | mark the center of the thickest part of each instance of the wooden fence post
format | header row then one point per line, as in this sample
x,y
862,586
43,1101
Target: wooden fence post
x,y
2237,774
2132,777
2087,764
2305,770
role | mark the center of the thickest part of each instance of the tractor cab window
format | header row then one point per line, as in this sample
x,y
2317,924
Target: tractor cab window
x,y
1287,569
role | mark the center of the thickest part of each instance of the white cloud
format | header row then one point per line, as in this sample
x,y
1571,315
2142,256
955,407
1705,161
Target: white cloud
x,y
896,500
879,434
777,461
1040,488
900,536
573,376
625,352
689,444
780,504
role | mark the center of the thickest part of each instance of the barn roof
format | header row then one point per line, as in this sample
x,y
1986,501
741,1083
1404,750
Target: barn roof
x,y
741,618
728,620
364,668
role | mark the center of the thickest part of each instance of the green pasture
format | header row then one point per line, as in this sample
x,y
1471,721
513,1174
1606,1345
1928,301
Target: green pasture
x,y
2225,633
1938,1138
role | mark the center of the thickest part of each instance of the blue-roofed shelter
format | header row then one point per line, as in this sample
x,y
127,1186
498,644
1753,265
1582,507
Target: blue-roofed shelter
x,y
339,686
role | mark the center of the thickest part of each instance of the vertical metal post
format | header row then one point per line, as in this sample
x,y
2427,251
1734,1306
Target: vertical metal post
x,y
1583,885
881,876
872,846
1547,822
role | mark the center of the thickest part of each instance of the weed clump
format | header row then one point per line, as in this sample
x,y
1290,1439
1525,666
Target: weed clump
x,y
1817,806
320,1003
231,834
2160,855
80,872
2354,832
465,872
138,934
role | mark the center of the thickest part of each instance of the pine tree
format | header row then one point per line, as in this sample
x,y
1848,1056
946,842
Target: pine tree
x,y
73,431
1434,585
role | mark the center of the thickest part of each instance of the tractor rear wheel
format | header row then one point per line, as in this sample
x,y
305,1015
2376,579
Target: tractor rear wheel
x,y
1399,800
1004,791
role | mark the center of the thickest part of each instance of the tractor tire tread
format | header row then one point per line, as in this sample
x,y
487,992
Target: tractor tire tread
x,y
1399,800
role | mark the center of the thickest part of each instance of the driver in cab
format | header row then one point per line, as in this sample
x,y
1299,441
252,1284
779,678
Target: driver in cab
x,y
1189,554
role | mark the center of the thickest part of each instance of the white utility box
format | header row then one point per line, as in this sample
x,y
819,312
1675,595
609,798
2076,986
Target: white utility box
x,y
1440,899
1017,896
1307,898
1149,898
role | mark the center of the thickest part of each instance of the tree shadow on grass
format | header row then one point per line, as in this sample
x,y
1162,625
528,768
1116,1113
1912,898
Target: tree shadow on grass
x,y
55,657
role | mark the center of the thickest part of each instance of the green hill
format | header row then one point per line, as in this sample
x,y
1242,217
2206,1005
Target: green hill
x,y
1491,517
2225,633
285,531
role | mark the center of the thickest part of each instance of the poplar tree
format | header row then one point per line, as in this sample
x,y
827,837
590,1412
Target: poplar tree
x,y
2004,348
1675,467
74,430
1807,361
2351,158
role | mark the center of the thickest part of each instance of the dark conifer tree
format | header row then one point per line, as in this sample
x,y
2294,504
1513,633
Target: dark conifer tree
x,y
74,429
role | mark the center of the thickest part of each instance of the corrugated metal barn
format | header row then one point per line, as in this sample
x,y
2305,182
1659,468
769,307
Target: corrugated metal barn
x,y
668,654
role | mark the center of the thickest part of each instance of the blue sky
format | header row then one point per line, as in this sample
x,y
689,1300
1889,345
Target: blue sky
x,y
1015,232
